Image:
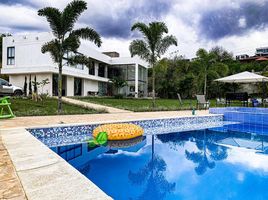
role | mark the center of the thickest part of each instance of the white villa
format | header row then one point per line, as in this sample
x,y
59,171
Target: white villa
x,y
22,57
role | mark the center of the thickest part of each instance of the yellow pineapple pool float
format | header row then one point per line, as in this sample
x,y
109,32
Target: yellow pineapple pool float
x,y
119,131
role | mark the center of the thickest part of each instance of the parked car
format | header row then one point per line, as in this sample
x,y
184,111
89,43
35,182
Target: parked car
x,y
7,88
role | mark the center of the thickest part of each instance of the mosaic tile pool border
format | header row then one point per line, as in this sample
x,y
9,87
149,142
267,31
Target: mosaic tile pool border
x,y
58,136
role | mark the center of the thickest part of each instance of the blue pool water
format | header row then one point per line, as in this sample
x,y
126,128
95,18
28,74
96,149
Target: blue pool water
x,y
223,162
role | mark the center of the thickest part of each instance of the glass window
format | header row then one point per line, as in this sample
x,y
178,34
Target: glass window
x,y
91,68
102,88
10,55
3,82
77,86
131,72
101,71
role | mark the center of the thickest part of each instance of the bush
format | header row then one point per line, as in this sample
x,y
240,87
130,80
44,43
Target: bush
x,y
118,96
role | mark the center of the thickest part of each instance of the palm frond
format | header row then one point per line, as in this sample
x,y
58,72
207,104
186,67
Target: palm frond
x,y
71,43
71,13
164,44
78,59
88,34
157,30
159,26
140,48
53,16
53,47
152,33
143,29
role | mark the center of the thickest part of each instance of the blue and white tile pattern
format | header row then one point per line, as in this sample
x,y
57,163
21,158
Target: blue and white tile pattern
x,y
58,136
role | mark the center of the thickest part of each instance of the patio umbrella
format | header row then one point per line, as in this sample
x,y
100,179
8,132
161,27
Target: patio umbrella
x,y
243,77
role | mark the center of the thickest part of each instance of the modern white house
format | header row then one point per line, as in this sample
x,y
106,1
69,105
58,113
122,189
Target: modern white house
x,y
22,57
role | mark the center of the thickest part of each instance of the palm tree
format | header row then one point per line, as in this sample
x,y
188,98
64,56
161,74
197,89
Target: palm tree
x,y
66,40
208,153
209,68
153,46
118,83
152,178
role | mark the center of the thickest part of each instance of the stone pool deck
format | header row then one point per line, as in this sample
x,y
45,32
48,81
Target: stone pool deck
x,y
37,121
35,172
10,186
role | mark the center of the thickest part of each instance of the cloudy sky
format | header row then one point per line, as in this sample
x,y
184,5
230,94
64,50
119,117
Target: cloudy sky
x,y
238,25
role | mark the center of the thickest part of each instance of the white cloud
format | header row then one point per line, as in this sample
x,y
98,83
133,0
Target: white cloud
x,y
182,19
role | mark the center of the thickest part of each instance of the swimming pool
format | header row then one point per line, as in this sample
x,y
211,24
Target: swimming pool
x,y
219,161
243,114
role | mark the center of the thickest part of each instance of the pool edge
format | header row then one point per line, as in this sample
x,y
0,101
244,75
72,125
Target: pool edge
x,y
40,177
13,136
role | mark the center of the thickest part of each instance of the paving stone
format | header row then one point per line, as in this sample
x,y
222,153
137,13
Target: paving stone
x,y
40,183
21,197
38,121
7,171
10,189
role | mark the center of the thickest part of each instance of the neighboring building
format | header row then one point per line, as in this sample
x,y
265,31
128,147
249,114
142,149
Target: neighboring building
x,y
262,51
261,55
22,57
241,57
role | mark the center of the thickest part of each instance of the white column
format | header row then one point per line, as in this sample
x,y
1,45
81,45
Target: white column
x,y
106,71
136,80
70,86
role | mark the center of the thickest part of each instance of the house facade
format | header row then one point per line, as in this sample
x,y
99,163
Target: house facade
x,y
23,59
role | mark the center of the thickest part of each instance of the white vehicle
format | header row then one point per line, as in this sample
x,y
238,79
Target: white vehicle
x,y
7,88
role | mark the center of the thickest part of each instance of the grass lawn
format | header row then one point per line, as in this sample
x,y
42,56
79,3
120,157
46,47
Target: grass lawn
x,y
28,107
140,105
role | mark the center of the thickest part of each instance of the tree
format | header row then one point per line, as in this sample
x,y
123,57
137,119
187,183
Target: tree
x,y
153,46
35,85
152,178
118,83
208,152
67,40
25,86
30,86
209,67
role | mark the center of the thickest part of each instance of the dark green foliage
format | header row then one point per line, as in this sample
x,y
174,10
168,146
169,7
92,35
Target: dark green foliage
x,y
188,77
118,83
35,85
30,86
25,86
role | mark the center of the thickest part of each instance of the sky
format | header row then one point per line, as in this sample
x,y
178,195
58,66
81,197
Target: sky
x,y
240,26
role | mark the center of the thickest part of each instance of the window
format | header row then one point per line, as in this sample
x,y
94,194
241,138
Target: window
x,y
3,82
101,71
70,54
91,69
10,55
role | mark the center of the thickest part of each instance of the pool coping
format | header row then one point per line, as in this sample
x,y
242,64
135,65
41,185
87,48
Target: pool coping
x,y
109,121
41,170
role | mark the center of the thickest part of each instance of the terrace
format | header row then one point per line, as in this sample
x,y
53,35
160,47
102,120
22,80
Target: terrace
x,y
77,122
